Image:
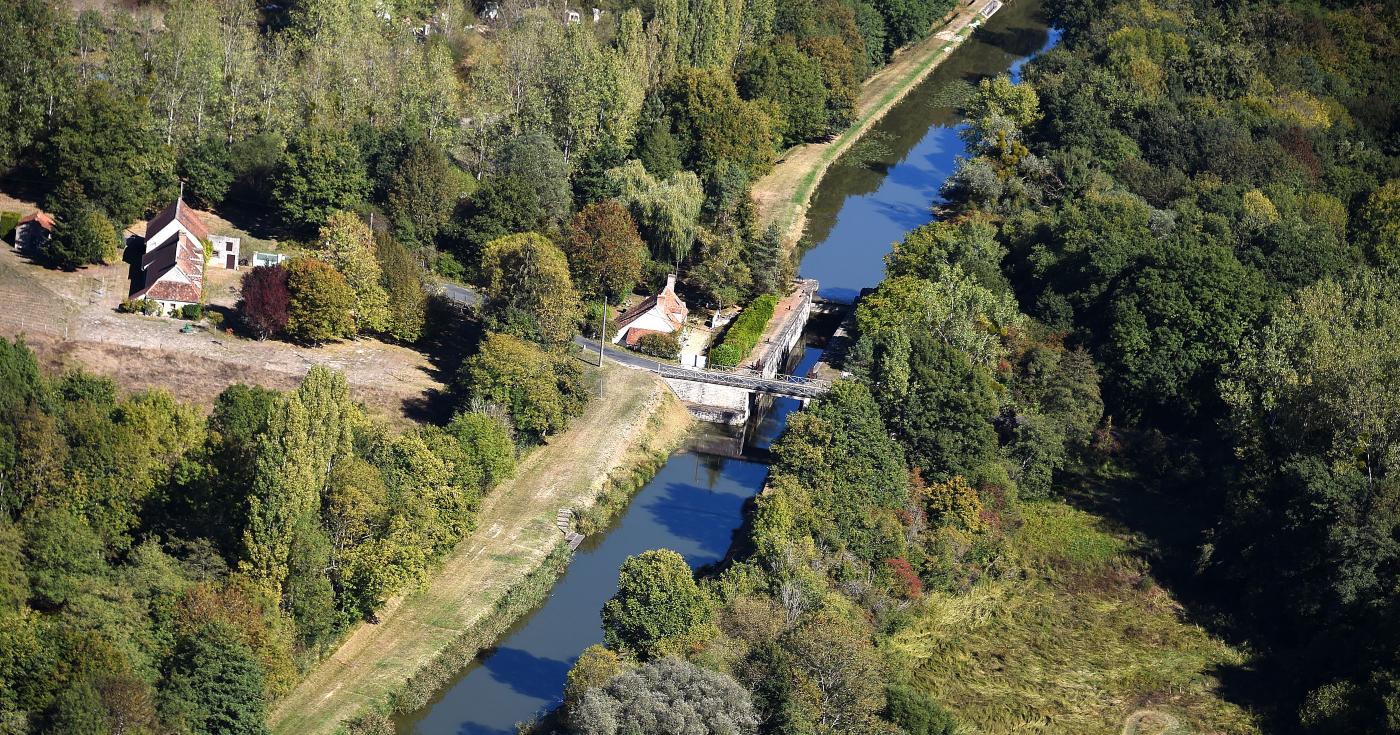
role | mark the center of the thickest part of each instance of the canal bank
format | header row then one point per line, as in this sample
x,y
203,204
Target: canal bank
x,y
783,195
695,504
477,592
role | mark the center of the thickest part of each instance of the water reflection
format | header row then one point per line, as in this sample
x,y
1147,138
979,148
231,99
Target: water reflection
x,y
695,503
861,210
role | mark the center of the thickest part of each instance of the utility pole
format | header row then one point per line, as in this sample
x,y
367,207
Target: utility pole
x,y
603,335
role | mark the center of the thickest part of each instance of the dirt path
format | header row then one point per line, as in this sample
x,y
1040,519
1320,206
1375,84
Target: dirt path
x,y
783,195
633,415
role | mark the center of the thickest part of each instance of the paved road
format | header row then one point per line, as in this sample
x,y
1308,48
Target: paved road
x,y
460,294
630,359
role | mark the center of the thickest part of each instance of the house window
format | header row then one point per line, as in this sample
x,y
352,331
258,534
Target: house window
x,y
228,247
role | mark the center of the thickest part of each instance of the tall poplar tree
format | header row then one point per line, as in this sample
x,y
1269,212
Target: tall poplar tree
x,y
348,244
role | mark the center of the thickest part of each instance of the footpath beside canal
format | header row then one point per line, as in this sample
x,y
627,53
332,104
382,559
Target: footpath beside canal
x,y
632,417
783,195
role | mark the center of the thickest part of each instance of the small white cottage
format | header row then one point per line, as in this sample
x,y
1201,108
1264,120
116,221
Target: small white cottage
x,y
663,313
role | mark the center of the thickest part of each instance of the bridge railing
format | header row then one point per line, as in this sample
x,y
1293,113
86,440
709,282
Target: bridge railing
x,y
792,385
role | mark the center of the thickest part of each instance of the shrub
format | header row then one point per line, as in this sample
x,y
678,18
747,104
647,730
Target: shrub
x,y
150,308
264,300
192,312
8,220
449,267
744,333
660,345
214,318
725,355
918,713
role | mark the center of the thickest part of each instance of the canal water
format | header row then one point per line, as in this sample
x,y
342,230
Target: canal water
x,y
695,503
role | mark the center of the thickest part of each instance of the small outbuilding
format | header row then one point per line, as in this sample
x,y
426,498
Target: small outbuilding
x,y
33,231
223,252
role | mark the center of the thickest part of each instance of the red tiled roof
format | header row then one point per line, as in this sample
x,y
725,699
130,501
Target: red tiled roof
x,y
180,255
178,210
171,291
672,308
44,219
634,336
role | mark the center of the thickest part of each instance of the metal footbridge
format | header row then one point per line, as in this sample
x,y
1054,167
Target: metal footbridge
x,y
754,381
791,386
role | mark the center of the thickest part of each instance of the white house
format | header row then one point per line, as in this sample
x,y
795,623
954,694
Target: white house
x,y
33,231
663,313
172,269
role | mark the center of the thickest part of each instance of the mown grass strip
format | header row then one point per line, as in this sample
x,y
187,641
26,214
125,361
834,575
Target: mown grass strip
x,y
808,183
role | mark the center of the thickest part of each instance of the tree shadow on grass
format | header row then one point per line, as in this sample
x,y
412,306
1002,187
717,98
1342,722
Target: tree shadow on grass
x,y
1164,492
450,336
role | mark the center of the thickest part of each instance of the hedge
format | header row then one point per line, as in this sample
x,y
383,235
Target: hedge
x,y
744,332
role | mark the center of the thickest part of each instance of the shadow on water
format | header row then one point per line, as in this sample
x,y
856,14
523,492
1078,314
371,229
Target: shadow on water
x,y
698,502
524,672
857,213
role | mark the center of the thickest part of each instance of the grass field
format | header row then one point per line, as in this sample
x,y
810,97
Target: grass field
x,y
1086,643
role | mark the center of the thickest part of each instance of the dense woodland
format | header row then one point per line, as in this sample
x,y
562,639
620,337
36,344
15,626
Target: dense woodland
x,y
454,129
1163,286
1167,273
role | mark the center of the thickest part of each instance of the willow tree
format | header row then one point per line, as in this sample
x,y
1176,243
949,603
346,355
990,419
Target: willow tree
x,y
668,211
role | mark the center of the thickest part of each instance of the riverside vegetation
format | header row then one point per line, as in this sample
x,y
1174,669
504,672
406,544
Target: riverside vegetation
x,y
1117,452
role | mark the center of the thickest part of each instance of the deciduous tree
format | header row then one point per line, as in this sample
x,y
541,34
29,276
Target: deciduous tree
x,y
528,290
321,302
657,605
605,251
348,245
264,300
319,173
667,697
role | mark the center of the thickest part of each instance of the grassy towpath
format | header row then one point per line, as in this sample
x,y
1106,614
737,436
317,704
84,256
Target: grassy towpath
x,y
631,415
783,195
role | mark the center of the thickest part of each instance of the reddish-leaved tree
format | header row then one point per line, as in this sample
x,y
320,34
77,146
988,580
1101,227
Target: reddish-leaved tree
x,y
264,302
605,251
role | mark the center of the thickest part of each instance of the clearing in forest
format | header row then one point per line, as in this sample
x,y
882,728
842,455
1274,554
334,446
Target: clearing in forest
x,y
1086,642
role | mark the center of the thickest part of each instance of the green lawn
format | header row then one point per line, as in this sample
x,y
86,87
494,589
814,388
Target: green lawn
x,y
1085,643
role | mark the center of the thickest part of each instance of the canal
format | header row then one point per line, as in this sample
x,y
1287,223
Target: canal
x,y
867,201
